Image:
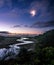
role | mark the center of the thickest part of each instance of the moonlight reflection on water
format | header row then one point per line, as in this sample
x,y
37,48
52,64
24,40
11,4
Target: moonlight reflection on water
x,y
13,51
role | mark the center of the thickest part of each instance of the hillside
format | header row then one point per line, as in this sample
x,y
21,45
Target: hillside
x,y
46,39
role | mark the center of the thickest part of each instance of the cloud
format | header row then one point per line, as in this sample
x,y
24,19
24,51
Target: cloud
x,y
21,25
26,25
9,3
44,8
21,0
39,24
16,26
14,13
43,24
1,3
6,3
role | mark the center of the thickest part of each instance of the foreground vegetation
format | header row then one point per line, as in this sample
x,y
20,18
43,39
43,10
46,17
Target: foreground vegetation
x,y
43,54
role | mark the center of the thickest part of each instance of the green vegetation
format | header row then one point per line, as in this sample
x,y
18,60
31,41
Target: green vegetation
x,y
45,49
47,39
1,38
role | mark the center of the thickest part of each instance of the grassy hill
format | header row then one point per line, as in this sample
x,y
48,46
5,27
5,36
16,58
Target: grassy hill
x,y
46,39
44,51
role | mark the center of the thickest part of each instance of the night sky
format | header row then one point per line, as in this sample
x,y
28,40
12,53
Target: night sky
x,y
26,16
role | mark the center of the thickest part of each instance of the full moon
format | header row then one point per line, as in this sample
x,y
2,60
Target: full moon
x,y
33,12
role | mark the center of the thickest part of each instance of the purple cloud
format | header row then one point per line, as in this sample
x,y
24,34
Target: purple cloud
x,y
1,3
15,26
43,8
19,25
42,24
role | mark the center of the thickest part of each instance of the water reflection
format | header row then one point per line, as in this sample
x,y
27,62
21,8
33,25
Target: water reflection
x,y
13,51
9,53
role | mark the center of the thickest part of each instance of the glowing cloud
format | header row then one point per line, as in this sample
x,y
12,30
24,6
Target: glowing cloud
x,y
33,12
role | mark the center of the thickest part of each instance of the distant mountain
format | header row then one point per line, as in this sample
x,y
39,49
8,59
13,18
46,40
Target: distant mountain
x,y
4,32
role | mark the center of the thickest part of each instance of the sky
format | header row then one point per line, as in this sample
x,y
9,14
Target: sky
x,y
26,16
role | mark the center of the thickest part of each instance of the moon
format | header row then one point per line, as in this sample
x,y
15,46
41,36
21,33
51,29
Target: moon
x,y
33,12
